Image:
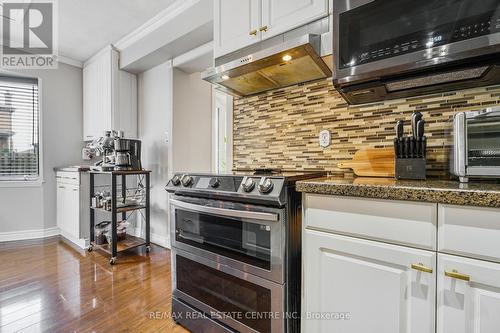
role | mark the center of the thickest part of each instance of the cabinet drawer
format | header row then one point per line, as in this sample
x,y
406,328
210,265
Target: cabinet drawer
x,y
399,222
68,177
469,231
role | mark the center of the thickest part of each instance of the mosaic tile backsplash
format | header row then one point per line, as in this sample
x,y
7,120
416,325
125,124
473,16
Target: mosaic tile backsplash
x,y
280,128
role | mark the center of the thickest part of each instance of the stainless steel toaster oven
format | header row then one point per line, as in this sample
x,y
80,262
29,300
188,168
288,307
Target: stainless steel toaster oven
x,y
476,144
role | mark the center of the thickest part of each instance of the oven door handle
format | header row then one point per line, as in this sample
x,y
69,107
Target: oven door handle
x,y
226,212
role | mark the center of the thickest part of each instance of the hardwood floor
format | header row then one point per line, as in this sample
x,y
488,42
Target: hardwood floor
x,y
48,286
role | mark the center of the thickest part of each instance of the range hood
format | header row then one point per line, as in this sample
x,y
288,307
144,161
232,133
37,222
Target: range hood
x,y
294,61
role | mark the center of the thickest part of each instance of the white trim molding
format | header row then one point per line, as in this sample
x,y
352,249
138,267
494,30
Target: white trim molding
x,y
69,61
157,21
28,234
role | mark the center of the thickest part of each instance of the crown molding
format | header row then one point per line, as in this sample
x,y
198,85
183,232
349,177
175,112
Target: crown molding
x,y
107,48
70,61
157,21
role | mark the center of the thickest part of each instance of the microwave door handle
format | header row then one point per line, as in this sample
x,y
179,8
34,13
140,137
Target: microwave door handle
x,y
226,212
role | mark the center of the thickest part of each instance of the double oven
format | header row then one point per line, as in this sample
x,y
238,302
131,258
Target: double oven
x,y
235,257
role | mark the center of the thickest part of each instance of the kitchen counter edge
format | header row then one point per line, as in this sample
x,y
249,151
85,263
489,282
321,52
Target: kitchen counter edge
x,y
436,191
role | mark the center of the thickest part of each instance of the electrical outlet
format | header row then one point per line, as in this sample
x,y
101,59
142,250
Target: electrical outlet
x,y
324,138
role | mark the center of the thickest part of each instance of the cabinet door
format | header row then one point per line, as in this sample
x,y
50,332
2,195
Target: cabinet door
x,y
468,295
90,110
60,204
279,16
97,94
352,285
125,115
236,25
68,210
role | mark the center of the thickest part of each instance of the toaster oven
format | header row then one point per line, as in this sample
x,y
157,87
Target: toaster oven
x,y
476,144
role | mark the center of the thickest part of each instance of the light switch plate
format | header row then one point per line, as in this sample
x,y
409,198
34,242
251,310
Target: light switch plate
x,y
325,138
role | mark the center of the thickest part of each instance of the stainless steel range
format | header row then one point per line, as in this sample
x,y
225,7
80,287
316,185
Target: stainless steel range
x,y
236,243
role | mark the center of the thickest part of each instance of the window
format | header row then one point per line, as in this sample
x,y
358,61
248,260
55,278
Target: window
x,y
222,131
19,129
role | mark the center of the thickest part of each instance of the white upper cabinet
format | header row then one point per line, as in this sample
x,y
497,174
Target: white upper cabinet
x,y
373,287
279,16
468,295
239,23
109,97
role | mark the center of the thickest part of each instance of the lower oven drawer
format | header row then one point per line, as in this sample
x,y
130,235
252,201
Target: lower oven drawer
x,y
242,301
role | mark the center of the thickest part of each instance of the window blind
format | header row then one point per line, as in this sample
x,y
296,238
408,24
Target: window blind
x,y
19,129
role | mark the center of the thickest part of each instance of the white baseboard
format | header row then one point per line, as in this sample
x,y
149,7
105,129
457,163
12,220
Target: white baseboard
x,y
160,240
80,243
28,234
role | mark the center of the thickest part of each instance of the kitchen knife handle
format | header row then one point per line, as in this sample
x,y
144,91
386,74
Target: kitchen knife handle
x,y
407,147
415,118
424,146
420,128
399,129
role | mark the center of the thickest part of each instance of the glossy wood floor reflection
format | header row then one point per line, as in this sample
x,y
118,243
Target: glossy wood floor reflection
x,y
48,286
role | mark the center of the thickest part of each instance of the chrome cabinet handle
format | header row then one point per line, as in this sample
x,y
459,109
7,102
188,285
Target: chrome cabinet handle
x,y
226,212
457,275
422,268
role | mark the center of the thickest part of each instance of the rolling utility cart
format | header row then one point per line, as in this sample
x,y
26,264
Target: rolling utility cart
x,y
121,205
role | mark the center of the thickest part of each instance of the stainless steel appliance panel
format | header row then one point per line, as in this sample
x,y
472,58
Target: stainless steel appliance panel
x,y
476,149
246,237
404,35
244,302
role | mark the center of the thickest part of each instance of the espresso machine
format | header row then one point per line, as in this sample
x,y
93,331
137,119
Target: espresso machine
x,y
118,153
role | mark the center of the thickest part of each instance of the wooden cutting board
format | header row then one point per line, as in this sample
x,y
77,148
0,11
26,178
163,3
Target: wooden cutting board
x,y
375,162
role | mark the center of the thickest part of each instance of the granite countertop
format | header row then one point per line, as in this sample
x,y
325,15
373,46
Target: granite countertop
x,y
433,190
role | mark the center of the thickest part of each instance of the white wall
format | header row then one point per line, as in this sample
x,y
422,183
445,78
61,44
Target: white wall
x,y
34,208
177,107
192,119
155,119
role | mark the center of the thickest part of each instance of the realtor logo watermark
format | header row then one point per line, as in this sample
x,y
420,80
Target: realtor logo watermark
x,y
29,34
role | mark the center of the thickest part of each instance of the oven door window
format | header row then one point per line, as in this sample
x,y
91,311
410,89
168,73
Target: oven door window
x,y
235,238
384,29
227,294
483,142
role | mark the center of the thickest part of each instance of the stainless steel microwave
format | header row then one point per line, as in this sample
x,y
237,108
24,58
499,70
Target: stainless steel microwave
x,y
386,49
476,144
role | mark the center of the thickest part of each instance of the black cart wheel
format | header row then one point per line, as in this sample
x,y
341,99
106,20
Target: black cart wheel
x,y
90,248
148,249
112,261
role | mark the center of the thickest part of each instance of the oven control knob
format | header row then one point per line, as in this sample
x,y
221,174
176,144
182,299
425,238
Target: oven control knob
x,y
248,185
214,182
265,185
176,180
186,180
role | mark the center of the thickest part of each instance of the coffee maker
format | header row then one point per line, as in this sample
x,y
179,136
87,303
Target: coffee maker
x,y
127,154
135,155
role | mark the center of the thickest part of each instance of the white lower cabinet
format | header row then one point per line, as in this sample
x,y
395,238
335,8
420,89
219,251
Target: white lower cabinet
x,y
68,208
353,285
73,202
468,295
